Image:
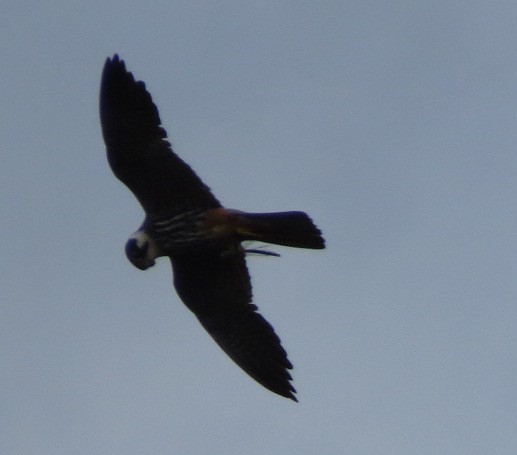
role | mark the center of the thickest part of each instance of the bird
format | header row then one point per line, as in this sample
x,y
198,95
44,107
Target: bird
x,y
204,240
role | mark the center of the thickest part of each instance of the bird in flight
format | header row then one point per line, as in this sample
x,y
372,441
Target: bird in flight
x,y
203,240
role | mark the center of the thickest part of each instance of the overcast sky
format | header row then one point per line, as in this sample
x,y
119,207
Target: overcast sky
x,y
394,124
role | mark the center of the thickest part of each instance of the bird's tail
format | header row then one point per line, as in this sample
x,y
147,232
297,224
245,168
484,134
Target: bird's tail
x,y
294,229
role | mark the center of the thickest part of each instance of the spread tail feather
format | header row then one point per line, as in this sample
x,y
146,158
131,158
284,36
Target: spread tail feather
x,y
294,229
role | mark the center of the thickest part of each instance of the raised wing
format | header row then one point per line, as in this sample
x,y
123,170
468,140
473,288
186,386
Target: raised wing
x,y
138,151
215,285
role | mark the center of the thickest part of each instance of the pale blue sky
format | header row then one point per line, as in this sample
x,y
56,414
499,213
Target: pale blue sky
x,y
394,124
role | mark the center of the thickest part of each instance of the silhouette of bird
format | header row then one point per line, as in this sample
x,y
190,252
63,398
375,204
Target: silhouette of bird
x,y
203,239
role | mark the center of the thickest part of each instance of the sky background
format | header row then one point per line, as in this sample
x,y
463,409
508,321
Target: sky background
x,y
394,124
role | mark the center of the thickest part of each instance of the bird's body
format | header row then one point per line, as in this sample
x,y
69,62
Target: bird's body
x,y
186,223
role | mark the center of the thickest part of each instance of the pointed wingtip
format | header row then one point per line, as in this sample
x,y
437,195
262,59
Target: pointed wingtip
x,y
115,61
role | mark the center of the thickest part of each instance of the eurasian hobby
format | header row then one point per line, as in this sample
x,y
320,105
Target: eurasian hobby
x,y
184,221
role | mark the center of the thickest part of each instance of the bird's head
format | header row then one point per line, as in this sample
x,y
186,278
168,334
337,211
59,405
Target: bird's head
x,y
141,250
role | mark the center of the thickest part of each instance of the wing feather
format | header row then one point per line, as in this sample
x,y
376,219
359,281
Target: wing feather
x,y
138,151
216,286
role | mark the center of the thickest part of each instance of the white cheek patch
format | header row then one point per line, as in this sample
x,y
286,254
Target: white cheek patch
x,y
152,251
143,239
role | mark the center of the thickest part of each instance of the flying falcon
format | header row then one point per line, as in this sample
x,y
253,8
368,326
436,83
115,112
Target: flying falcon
x,y
203,239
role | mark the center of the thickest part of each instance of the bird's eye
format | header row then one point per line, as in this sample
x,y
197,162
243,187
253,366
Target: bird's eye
x,y
133,250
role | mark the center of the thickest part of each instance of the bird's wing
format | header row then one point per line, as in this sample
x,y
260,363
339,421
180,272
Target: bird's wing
x,y
138,151
216,286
